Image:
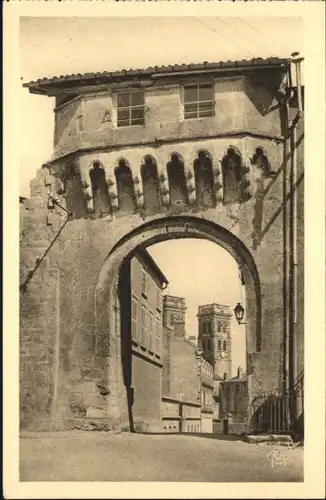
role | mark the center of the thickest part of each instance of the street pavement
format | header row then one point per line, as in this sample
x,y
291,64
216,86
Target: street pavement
x,y
103,456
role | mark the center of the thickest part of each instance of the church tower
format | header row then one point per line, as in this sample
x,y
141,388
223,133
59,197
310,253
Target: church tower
x,y
214,337
174,314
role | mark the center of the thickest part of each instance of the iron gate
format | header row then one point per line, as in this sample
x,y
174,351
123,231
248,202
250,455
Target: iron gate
x,y
278,412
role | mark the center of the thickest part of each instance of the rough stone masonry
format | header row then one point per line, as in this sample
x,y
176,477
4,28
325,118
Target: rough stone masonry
x,y
241,153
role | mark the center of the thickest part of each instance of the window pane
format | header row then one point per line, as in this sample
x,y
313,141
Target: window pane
x,y
191,111
137,121
137,113
205,106
123,117
209,112
191,115
123,100
137,98
190,93
205,92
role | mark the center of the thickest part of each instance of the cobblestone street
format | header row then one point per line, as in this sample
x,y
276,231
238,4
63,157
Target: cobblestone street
x,y
100,456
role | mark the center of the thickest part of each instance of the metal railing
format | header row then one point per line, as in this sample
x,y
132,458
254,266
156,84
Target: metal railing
x,y
278,412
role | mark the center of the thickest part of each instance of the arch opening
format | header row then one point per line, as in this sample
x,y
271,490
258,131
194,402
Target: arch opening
x,y
101,200
114,321
151,184
73,192
125,187
177,180
204,181
231,172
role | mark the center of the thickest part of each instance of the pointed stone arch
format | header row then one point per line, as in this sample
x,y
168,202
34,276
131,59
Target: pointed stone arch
x,y
72,190
125,186
151,183
177,179
204,179
232,164
261,161
101,200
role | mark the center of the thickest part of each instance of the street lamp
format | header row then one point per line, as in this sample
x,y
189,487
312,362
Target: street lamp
x,y
239,312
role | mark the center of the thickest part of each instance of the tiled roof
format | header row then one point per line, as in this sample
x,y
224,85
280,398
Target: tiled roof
x,y
243,378
107,76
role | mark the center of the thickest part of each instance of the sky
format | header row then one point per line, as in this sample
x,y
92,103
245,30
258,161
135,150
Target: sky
x,y
185,264
54,46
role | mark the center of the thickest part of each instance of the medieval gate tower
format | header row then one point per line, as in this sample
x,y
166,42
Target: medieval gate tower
x,y
207,151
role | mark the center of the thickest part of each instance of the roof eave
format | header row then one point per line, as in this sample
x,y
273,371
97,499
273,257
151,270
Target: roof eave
x,y
41,86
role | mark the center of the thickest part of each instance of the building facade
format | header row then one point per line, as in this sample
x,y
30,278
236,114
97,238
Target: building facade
x,y
207,387
187,376
141,330
211,151
234,400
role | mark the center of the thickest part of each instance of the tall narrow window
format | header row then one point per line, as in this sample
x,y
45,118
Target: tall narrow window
x,y
219,345
130,109
158,299
224,346
134,311
144,282
150,331
218,327
158,337
143,330
198,101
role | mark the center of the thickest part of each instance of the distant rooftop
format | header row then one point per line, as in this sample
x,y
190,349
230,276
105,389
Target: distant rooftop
x,y
214,309
47,86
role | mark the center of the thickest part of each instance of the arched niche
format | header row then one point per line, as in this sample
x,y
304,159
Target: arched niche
x,y
73,191
204,181
261,161
232,172
151,183
177,180
125,187
101,200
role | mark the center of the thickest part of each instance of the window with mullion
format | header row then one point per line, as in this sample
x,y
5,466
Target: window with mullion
x,y
198,101
130,109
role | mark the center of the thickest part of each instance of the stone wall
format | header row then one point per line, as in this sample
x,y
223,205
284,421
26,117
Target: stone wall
x,y
74,302
80,125
183,368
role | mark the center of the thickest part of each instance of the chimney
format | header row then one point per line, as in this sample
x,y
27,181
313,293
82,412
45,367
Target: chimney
x,y
239,374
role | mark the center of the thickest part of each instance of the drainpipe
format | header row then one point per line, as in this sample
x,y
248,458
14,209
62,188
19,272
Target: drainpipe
x,y
286,257
293,241
285,248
